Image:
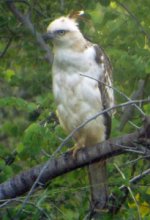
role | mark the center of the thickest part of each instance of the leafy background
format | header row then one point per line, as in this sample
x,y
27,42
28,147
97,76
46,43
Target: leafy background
x,y
122,28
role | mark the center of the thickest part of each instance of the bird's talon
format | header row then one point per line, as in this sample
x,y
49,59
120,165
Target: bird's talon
x,y
74,150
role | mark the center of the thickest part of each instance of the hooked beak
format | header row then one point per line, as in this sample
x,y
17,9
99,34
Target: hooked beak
x,y
48,36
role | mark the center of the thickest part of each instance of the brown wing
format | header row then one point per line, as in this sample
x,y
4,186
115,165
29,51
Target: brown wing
x,y
105,84
98,171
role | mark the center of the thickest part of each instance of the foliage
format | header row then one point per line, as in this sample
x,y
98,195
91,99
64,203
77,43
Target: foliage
x,y
122,28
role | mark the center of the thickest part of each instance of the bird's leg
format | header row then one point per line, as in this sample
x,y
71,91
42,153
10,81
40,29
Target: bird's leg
x,y
75,149
78,145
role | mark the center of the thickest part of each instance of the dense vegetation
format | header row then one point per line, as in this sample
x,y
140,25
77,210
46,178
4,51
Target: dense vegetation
x,y
30,132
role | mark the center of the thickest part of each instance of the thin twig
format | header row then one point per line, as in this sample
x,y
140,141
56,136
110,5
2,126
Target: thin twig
x,y
2,54
18,200
129,189
5,203
31,190
128,111
134,199
139,177
134,125
135,160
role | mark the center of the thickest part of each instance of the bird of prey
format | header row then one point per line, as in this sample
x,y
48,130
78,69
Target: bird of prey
x,y
82,87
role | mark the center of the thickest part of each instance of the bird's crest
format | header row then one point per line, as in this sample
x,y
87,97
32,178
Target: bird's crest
x,y
75,14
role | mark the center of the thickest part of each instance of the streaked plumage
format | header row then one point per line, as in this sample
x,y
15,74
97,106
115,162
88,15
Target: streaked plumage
x,y
79,97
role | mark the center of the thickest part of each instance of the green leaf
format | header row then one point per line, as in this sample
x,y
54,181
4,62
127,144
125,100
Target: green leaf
x,y
18,103
9,74
33,138
147,68
147,108
20,148
2,164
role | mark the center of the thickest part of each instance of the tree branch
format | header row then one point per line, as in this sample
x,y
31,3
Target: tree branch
x,y
128,111
24,19
66,163
115,202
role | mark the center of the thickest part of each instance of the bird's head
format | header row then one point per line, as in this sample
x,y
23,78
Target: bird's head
x,y
64,31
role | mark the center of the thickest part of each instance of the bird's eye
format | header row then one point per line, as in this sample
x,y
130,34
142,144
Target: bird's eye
x,y
61,32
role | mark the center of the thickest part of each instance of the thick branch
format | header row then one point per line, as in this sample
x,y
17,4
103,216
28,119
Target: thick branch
x,y
65,163
24,19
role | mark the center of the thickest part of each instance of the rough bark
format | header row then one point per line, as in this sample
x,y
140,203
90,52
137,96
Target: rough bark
x,y
58,166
